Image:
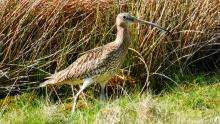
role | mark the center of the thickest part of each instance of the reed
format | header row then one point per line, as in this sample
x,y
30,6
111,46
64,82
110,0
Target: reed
x,y
39,37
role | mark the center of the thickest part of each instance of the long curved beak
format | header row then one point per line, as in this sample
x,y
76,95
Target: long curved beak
x,y
135,20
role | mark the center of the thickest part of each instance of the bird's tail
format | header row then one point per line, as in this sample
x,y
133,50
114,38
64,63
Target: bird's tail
x,y
42,84
45,83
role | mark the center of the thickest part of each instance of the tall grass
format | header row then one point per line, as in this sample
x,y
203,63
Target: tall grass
x,y
39,37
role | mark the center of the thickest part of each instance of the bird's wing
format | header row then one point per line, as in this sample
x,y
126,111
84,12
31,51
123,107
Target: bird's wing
x,y
84,65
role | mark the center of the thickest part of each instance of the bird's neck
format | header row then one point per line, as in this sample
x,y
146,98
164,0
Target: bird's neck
x,y
122,38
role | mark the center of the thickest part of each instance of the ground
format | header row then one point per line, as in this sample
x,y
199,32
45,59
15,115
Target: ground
x,y
195,100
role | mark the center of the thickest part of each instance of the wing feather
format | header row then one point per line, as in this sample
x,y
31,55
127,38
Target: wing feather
x,y
84,65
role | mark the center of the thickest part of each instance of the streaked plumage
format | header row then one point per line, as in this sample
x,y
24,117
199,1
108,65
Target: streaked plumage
x,y
95,63
100,64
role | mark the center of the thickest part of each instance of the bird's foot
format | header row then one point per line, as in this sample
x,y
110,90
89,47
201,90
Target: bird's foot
x,y
102,97
73,110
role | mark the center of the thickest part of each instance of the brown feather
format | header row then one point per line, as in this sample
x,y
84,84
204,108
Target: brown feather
x,y
100,63
91,63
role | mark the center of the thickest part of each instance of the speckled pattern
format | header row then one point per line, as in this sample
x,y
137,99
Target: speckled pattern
x,y
100,63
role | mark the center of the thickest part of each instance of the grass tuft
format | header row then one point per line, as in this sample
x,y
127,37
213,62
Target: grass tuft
x,y
39,37
197,103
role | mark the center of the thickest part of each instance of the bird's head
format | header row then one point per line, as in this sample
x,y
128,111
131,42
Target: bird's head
x,y
124,18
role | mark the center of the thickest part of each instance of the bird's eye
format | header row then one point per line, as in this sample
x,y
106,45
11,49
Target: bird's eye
x,y
124,17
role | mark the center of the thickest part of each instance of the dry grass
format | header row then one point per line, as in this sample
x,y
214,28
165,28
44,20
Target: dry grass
x,y
38,37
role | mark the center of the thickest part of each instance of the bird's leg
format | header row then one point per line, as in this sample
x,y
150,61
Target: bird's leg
x,y
72,90
102,92
86,83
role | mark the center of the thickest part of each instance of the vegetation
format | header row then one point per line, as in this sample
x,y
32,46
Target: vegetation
x,y
195,100
40,37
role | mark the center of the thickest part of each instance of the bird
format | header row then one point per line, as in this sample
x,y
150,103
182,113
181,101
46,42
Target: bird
x,y
100,64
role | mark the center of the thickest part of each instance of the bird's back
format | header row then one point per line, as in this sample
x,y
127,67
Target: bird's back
x,y
99,63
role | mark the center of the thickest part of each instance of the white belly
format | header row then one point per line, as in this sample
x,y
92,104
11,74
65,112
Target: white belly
x,y
103,78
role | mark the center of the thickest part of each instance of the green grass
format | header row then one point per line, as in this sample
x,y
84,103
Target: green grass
x,y
44,36
195,100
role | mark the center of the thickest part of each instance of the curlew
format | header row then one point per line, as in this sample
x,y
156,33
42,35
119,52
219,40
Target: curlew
x,y
99,64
